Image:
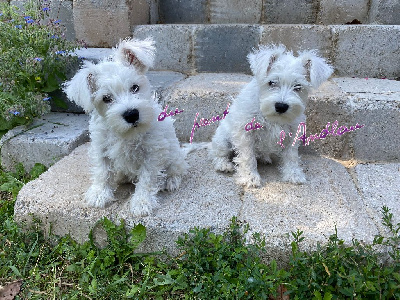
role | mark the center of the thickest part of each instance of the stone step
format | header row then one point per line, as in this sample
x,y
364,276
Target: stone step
x,y
353,50
371,102
348,199
104,23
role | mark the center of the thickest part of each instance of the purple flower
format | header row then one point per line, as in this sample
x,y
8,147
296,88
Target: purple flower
x,y
27,18
38,59
57,21
46,99
15,113
18,26
60,52
54,36
45,8
30,21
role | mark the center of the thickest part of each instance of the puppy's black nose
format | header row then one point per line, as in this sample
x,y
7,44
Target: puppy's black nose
x,y
131,116
281,107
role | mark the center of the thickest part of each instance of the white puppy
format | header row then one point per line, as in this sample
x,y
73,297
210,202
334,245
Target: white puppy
x,y
128,143
273,101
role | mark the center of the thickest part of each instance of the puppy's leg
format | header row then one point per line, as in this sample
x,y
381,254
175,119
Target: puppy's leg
x,y
290,168
221,149
100,192
176,170
144,199
247,173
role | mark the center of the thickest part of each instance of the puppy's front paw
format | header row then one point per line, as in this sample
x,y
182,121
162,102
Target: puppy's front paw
x,y
294,176
223,164
142,205
98,196
173,183
249,180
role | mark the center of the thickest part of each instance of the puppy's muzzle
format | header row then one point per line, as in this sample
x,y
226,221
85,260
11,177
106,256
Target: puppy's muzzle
x,y
131,116
281,107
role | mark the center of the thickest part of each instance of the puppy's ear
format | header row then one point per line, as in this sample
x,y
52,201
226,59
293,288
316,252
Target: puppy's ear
x,y
80,88
317,70
136,53
262,60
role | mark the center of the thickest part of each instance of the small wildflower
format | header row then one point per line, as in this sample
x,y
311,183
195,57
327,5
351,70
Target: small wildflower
x,y
14,112
27,17
60,52
45,8
46,99
54,36
57,21
30,21
38,59
18,26
37,78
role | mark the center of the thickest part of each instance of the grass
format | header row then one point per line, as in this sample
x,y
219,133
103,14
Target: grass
x,y
210,266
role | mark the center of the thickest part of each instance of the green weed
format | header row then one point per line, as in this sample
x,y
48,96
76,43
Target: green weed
x,y
210,266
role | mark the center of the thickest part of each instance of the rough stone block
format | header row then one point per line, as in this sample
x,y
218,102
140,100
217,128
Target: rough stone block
x,y
329,104
328,199
299,37
223,48
343,11
45,141
206,94
374,103
173,43
290,12
386,12
57,198
104,23
367,51
379,186
235,11
179,11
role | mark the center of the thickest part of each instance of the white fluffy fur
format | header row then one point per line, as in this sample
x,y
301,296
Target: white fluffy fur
x,y
143,151
279,77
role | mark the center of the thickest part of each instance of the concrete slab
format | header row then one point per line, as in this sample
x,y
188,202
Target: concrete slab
x,y
299,37
235,11
173,43
366,51
290,12
188,11
205,199
328,199
223,48
45,141
207,94
374,103
343,11
379,185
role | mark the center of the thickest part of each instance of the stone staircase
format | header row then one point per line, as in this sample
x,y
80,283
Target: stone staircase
x,y
200,67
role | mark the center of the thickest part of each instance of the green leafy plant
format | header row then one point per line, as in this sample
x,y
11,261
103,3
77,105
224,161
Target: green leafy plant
x,y
33,59
340,271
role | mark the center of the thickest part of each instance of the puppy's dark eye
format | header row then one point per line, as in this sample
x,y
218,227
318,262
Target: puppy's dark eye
x,y
107,99
297,87
272,83
134,89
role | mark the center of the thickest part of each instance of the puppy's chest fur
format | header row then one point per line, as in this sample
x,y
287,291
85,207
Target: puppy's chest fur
x,y
267,140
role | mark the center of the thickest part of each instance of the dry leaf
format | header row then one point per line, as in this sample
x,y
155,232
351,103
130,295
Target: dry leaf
x,y
280,294
10,291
